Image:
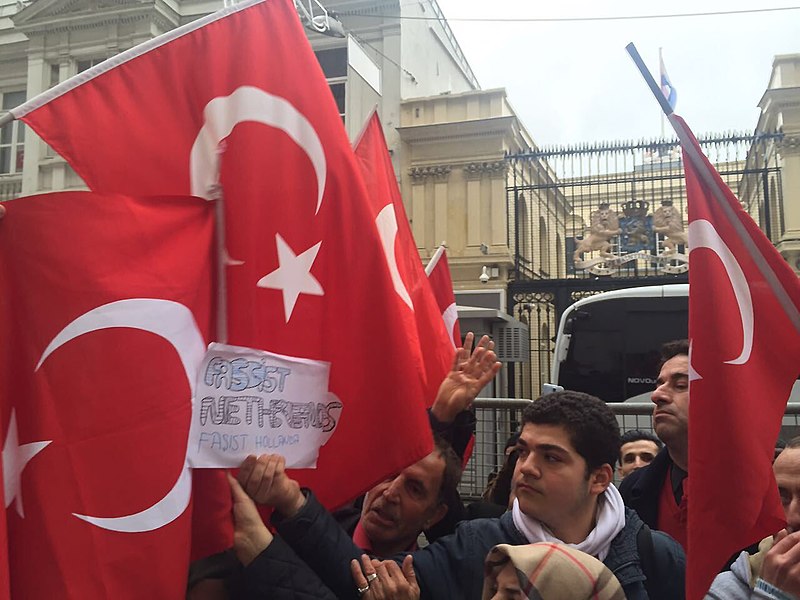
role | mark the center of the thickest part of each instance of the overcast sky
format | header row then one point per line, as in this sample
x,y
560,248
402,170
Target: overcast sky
x,y
573,82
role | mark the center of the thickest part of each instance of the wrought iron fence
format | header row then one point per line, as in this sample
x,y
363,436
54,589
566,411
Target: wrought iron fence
x,y
597,217
498,418
619,208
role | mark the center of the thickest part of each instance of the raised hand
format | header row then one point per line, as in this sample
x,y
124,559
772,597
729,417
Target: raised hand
x,y
250,535
782,563
471,371
266,482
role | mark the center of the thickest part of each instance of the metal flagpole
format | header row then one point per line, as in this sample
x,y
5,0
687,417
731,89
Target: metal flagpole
x,y
661,62
223,260
700,166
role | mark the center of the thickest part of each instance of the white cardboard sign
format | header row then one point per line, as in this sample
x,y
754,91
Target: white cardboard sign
x,y
254,402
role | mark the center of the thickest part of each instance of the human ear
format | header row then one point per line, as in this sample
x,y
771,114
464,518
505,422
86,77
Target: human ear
x,y
600,479
437,516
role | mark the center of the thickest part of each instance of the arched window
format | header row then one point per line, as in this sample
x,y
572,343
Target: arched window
x,y
560,266
544,247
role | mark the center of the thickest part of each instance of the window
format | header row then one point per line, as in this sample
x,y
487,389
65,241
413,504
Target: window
x,y
334,66
12,136
338,91
88,63
333,62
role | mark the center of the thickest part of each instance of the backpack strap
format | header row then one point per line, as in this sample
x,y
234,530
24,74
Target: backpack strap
x,y
647,560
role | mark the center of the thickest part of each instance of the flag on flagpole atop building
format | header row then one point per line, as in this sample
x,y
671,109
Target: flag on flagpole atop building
x,y
669,91
744,327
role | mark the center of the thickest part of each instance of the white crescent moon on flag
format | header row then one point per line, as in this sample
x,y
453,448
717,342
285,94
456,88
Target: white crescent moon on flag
x,y
386,222
450,316
703,235
250,104
175,323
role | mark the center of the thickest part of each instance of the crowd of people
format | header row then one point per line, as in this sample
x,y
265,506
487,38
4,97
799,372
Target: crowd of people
x,y
552,524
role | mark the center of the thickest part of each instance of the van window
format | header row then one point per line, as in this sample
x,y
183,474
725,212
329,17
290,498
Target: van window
x,y
615,346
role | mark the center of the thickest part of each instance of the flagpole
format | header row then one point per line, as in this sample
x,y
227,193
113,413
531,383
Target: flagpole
x,y
661,62
222,264
699,164
435,259
648,78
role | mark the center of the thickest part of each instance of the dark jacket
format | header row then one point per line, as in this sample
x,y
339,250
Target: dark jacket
x,y
278,574
641,490
453,566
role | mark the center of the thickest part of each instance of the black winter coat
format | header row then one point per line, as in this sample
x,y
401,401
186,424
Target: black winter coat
x,y
453,566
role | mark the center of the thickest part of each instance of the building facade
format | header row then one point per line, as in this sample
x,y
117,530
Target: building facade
x,y
382,61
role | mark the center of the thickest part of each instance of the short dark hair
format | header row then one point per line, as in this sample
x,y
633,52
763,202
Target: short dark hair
x,y
452,470
792,443
592,427
673,349
634,435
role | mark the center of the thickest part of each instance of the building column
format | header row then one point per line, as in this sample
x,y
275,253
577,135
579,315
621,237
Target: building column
x,y
789,244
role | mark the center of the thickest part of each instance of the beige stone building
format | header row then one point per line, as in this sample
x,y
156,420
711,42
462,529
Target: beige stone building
x,y
780,110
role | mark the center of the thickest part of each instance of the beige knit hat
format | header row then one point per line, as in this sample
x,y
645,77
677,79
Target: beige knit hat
x,y
552,572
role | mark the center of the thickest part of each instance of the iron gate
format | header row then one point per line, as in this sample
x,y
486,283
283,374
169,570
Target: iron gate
x,y
596,217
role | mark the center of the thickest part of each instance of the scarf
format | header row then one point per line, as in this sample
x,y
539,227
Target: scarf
x,y
549,570
610,521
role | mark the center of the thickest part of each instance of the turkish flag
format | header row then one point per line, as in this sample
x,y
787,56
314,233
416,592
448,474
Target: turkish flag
x,y
5,576
105,305
236,103
745,357
419,308
438,272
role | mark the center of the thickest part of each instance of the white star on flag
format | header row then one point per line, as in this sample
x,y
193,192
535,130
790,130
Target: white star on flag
x,y
15,458
293,275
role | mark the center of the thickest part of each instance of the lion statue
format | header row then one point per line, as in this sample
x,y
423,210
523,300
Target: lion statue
x,y
668,221
603,225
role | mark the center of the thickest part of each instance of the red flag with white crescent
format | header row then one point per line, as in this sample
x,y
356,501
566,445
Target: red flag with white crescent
x,y
744,327
438,272
419,308
5,576
105,305
236,103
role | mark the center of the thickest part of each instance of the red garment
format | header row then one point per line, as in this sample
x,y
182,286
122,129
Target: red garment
x,y
361,540
671,515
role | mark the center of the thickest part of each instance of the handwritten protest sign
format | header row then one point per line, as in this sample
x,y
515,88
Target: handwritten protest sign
x,y
254,402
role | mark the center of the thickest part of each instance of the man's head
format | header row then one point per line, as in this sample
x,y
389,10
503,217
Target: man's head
x,y
568,444
787,476
399,508
637,450
671,396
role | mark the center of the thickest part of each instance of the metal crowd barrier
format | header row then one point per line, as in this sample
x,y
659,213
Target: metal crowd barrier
x,y
498,418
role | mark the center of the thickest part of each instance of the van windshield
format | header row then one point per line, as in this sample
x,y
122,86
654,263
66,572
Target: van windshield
x,y
615,347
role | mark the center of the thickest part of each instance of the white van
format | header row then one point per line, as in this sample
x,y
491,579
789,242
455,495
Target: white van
x,y
609,344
